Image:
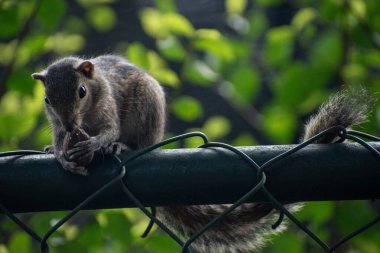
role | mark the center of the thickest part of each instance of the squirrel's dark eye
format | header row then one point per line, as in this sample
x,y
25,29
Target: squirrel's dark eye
x,y
82,91
47,101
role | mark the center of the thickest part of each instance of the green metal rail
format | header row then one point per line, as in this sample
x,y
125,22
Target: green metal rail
x,y
193,176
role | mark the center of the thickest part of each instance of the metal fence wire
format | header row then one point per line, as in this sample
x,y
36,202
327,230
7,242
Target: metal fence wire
x,y
260,171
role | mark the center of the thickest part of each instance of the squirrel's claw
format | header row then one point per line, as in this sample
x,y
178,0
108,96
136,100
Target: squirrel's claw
x,y
92,144
84,148
49,149
116,148
78,152
73,167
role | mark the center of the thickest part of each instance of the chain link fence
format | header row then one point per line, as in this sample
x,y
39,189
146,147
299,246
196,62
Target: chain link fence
x,y
260,188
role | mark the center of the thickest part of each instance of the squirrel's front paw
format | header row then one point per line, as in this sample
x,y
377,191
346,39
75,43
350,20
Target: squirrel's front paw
x,y
73,167
83,149
116,148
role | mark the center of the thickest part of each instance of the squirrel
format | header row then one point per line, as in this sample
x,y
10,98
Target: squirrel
x,y
117,104
120,106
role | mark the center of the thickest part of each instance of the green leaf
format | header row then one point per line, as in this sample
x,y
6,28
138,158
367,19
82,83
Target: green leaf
x,y
327,51
166,5
166,76
64,44
177,24
242,49
33,46
246,83
359,8
20,242
154,61
280,33
279,124
117,226
170,145
161,25
372,58
7,51
215,64
209,34
162,243
278,49
91,237
171,48
15,125
211,41
3,249
187,108
92,3
239,23
288,241
137,54
153,23
317,213
332,10
361,210
297,84
235,6
258,24
71,232
373,18
102,18
354,73
244,139
50,13
65,246
268,3
199,72
20,80
75,25
303,18
217,127
194,141
9,16
367,242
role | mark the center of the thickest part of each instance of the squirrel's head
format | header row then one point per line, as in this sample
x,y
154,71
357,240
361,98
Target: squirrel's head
x,y
67,83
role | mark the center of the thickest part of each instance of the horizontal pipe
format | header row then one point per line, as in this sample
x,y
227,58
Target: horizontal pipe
x,y
193,176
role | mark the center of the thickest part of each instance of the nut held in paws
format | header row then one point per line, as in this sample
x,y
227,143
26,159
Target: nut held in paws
x,y
77,135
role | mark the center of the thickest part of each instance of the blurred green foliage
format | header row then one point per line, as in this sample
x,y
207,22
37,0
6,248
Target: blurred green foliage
x,y
272,76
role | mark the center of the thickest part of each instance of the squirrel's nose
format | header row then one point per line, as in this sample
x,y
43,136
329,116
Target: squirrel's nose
x,y
69,124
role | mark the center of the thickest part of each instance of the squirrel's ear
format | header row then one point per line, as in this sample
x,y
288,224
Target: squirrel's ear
x,y
39,76
87,68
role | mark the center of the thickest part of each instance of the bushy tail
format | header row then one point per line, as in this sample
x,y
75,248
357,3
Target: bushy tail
x,y
346,108
248,227
244,230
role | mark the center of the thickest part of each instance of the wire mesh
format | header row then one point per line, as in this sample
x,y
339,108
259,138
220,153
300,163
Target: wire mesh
x,y
340,131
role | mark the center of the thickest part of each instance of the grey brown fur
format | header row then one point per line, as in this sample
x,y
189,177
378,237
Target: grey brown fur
x,y
123,106
347,108
126,106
